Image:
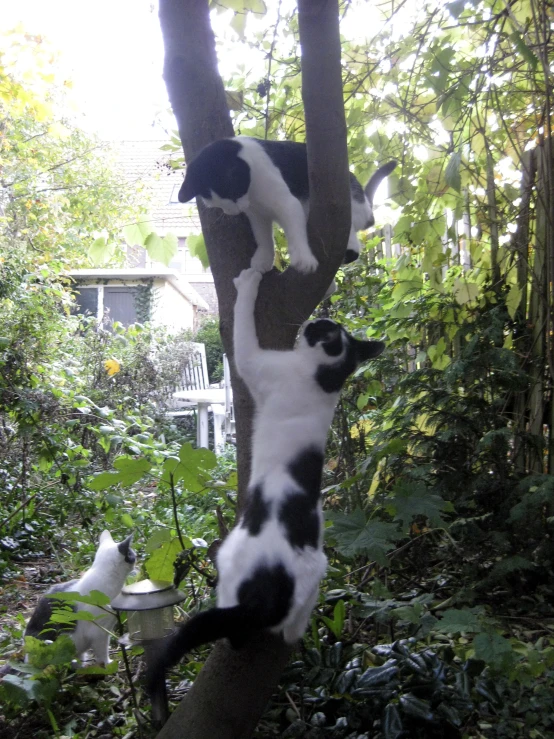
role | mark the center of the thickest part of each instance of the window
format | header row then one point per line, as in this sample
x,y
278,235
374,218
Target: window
x,y
119,303
87,301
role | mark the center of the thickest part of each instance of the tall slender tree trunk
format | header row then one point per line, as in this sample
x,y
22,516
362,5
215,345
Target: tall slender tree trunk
x,y
230,693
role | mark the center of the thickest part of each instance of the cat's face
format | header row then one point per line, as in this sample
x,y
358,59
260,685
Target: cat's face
x,y
112,554
328,343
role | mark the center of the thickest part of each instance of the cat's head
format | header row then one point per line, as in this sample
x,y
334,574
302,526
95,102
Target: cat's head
x,y
219,176
113,555
334,351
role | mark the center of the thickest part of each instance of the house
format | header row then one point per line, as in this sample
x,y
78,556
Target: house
x,y
146,165
138,294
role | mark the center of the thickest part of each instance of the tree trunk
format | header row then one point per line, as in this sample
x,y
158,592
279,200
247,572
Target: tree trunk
x,y
230,693
523,340
538,309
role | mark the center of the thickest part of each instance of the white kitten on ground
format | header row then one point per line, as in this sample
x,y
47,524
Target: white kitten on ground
x,y
112,564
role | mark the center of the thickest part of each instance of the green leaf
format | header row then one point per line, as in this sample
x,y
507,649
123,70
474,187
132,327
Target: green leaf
x,y
100,251
161,249
255,6
524,50
104,480
410,499
127,520
495,650
459,621
136,233
356,535
94,598
159,565
197,248
23,689
159,537
465,291
513,299
452,174
131,469
60,616
436,353
339,614
193,467
238,24
242,6
337,622
60,652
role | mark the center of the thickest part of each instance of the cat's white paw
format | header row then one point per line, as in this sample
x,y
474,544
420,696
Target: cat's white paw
x,y
261,263
248,277
305,263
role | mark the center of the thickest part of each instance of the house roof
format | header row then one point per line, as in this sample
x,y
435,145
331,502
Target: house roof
x,y
141,273
145,165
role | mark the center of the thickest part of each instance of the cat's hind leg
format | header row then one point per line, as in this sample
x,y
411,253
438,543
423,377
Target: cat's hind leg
x,y
100,645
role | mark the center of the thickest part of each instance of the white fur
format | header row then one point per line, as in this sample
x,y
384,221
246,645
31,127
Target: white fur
x,y
292,413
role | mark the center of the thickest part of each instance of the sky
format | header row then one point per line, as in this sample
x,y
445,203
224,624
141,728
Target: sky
x,y
112,51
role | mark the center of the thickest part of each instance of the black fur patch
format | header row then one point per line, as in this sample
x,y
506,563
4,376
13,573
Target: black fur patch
x,y
217,168
268,594
306,470
326,332
256,513
298,514
291,159
124,548
42,614
350,256
331,377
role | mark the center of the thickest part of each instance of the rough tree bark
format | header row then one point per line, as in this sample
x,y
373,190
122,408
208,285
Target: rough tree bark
x,y
230,693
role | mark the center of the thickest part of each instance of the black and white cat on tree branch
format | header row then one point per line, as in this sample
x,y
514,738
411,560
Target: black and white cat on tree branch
x,y
231,691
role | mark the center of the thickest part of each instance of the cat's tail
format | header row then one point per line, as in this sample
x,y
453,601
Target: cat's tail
x,y
376,179
236,624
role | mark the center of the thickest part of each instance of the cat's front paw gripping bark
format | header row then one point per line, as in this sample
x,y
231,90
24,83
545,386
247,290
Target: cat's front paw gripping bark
x,y
248,278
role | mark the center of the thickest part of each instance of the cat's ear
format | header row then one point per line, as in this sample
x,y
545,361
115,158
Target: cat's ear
x,y
187,191
125,545
105,536
368,349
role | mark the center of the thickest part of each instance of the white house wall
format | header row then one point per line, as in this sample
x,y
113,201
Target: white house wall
x,y
170,308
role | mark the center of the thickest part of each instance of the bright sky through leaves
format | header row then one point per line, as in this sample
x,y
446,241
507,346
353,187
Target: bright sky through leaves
x,y
112,52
